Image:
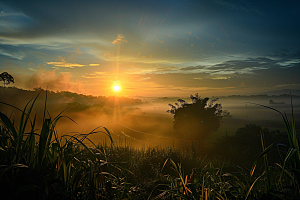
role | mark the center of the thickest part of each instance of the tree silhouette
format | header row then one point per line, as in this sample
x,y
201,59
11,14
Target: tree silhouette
x,y
196,120
245,145
6,78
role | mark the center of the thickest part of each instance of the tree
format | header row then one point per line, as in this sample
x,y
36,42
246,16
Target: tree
x,y
246,144
6,78
196,120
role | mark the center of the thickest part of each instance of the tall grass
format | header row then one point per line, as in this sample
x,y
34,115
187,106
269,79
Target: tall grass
x,y
263,181
284,176
37,163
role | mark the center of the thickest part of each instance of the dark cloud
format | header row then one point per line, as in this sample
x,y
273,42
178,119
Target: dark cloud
x,y
250,65
192,68
165,69
252,72
223,19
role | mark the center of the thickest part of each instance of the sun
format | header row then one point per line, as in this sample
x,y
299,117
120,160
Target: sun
x,y
116,88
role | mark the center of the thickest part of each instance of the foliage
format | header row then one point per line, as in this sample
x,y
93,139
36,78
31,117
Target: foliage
x,y
6,78
196,120
245,144
279,180
37,164
288,175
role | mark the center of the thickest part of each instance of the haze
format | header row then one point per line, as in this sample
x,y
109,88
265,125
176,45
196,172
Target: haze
x,y
140,122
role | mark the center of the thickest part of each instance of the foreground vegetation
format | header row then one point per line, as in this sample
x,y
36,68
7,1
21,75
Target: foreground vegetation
x,y
36,163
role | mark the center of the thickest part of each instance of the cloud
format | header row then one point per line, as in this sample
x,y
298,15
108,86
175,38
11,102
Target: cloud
x,y
63,63
289,62
93,65
107,55
251,74
192,68
261,79
17,55
53,81
165,69
120,39
11,21
96,75
32,69
246,66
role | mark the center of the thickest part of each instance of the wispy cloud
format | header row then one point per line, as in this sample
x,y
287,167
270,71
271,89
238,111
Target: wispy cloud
x,y
63,63
17,55
11,21
191,68
165,69
96,75
120,39
34,70
93,65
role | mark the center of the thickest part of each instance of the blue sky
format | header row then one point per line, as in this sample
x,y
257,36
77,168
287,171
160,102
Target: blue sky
x,y
152,48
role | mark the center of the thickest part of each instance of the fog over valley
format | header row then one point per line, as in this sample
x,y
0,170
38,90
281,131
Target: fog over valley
x,y
142,121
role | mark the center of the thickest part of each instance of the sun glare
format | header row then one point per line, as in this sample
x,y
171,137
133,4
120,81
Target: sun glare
x,y
117,88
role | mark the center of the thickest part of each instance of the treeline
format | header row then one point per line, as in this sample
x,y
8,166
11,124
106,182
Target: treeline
x,y
60,97
60,100
81,108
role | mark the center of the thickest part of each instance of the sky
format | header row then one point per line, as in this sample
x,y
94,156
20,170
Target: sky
x,y
151,48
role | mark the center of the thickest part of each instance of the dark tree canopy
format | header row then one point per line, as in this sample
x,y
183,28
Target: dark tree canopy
x,y
196,120
6,78
245,145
